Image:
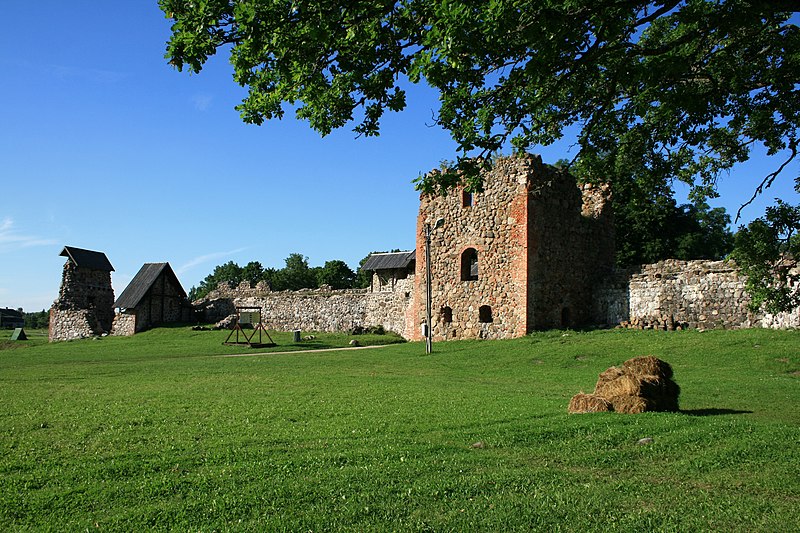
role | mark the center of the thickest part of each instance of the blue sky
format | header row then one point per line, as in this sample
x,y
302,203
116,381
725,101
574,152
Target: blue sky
x,y
104,146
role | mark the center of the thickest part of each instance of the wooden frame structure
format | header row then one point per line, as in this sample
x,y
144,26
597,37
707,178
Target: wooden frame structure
x,y
249,316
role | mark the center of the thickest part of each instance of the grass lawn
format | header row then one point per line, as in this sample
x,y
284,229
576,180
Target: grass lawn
x,y
159,431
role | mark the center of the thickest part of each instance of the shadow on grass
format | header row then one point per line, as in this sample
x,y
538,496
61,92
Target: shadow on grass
x,y
712,411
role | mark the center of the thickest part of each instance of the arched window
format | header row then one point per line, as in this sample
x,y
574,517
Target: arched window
x,y
469,265
485,313
447,314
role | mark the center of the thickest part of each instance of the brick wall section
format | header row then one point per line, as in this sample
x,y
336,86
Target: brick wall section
x,y
84,307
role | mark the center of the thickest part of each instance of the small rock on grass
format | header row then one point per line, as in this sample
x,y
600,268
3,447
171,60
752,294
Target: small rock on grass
x,y
646,440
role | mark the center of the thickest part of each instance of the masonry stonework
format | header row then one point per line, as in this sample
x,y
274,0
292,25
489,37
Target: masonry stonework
x,y
682,294
533,250
322,309
84,307
522,254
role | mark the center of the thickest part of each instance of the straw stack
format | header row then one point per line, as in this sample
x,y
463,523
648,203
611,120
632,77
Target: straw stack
x,y
641,384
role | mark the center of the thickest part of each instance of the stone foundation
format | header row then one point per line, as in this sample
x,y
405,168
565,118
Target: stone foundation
x,y
70,324
124,324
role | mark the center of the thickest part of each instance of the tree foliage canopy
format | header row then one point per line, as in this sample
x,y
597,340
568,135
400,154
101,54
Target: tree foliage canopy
x,y
651,226
653,91
768,251
295,275
660,90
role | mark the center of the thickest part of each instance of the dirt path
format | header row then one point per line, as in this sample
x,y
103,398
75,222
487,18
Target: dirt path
x,y
306,351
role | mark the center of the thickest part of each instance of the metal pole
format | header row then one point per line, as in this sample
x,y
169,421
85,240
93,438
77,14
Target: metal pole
x,y
428,332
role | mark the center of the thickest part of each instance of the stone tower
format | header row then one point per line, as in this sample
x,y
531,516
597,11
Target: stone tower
x,y
521,255
85,303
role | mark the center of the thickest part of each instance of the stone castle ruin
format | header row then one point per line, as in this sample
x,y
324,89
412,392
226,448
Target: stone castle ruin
x,y
523,254
84,307
532,250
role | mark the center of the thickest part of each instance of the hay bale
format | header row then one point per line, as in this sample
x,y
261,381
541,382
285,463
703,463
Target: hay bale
x,y
629,404
641,384
648,365
609,375
666,397
588,403
622,385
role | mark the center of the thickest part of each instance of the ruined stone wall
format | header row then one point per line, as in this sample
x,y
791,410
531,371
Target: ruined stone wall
x,y
570,246
85,304
314,310
686,294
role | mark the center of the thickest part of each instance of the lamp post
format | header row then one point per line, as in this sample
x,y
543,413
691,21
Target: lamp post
x,y
428,325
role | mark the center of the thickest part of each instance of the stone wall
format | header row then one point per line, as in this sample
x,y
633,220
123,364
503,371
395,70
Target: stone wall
x,y
389,280
682,294
492,225
314,310
570,248
84,307
124,324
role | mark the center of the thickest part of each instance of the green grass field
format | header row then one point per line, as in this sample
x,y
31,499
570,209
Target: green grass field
x,y
159,431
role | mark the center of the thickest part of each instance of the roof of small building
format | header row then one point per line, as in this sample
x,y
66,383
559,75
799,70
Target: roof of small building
x,y
142,282
87,258
5,311
386,261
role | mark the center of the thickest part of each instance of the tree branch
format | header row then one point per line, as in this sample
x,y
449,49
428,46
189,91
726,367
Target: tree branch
x,y
766,183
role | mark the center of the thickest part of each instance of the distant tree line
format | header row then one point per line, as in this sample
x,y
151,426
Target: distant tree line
x,y
651,227
37,319
295,275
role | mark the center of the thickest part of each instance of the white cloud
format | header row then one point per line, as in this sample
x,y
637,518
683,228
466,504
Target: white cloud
x,y
94,75
10,239
205,259
202,101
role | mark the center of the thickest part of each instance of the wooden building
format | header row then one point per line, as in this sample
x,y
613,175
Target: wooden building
x,y
11,318
153,297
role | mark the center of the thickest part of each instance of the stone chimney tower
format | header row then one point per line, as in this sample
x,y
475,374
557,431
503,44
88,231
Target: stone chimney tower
x,y
85,303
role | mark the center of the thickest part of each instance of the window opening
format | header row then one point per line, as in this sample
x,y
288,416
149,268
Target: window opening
x,y
467,200
447,314
565,318
469,265
485,314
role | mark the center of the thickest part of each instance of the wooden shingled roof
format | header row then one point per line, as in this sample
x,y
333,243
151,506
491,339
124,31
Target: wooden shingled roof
x,y
386,261
142,282
87,258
